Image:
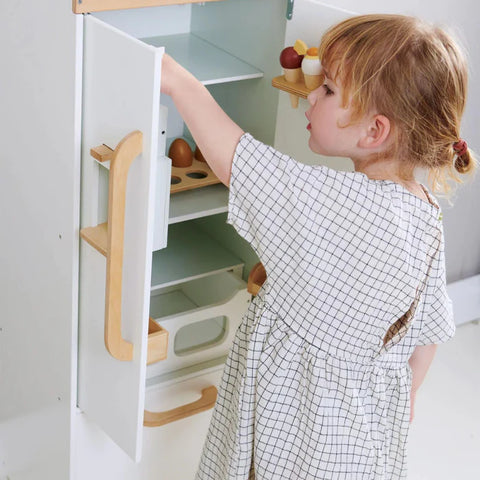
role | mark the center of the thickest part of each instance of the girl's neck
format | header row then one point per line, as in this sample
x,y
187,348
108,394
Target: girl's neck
x,y
385,169
389,169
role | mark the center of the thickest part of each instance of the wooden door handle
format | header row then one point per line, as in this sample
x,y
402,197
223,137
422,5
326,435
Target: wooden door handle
x,y
205,402
127,150
108,238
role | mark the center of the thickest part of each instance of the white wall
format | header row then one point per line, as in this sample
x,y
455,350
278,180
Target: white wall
x,y
462,221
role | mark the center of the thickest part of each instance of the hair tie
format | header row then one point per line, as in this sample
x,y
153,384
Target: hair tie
x,y
460,147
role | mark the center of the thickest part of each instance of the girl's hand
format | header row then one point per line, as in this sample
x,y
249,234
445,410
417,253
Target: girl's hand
x,y
214,132
419,362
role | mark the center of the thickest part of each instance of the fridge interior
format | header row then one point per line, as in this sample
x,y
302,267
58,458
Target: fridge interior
x,y
205,264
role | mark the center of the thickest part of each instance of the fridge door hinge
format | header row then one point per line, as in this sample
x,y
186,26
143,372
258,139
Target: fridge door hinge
x,y
290,9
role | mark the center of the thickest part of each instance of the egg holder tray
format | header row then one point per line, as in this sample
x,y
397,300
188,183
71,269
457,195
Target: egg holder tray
x,y
197,175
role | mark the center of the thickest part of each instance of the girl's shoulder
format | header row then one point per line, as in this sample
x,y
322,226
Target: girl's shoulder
x,y
363,193
320,187
422,199
383,188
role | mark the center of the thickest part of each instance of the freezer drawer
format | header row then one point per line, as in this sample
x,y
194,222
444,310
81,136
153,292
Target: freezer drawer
x,y
201,317
173,450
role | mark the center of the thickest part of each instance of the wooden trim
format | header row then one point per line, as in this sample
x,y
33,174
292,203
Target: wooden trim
x,y
206,402
86,6
102,153
97,237
157,342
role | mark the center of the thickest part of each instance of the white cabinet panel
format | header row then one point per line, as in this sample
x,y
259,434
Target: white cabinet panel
x,y
121,95
310,20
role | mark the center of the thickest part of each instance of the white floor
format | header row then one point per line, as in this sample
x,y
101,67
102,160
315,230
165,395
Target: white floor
x,y
445,434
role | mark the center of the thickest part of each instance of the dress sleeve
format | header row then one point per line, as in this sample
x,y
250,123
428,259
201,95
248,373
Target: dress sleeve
x,y
438,323
267,196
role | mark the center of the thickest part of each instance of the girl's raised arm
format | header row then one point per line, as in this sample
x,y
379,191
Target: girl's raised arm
x,y
215,133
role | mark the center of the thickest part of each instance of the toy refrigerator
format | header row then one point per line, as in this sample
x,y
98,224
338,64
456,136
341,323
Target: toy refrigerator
x,y
162,278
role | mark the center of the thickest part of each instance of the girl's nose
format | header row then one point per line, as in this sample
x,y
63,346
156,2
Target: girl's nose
x,y
312,97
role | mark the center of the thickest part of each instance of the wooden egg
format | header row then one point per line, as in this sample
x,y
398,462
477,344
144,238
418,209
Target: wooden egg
x,y
199,155
180,153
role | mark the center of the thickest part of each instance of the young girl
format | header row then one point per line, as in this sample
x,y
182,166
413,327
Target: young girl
x,y
321,379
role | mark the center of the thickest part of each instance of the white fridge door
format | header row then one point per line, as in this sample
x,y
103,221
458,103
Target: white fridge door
x,y
170,452
121,95
310,20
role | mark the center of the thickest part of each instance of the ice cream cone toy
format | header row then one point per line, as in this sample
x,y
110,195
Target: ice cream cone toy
x,y
312,69
311,66
291,62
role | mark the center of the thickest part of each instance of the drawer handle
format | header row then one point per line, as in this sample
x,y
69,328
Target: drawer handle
x,y
205,402
108,238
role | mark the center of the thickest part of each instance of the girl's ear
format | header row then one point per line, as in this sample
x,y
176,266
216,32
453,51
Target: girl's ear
x,y
377,131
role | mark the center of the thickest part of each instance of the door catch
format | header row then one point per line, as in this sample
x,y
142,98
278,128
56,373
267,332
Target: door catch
x,y
290,9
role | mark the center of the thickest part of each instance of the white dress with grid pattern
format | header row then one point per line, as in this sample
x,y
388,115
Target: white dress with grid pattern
x,y
309,389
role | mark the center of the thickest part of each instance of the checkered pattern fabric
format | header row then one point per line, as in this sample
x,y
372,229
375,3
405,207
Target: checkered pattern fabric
x,y
317,384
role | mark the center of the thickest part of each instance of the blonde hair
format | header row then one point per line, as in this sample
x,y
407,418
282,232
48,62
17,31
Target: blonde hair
x,y
415,75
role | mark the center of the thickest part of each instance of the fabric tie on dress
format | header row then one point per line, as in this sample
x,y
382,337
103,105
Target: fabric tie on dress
x,y
378,419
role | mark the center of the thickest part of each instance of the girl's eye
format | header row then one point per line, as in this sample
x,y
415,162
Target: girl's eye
x,y
328,91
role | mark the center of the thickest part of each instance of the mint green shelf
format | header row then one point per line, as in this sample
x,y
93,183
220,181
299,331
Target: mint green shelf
x,y
190,254
210,64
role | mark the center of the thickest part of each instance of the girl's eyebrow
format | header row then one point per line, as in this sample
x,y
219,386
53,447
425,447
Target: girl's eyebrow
x,y
326,73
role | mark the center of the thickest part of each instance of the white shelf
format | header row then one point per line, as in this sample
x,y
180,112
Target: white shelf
x,y
169,304
204,292
190,254
197,203
204,60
